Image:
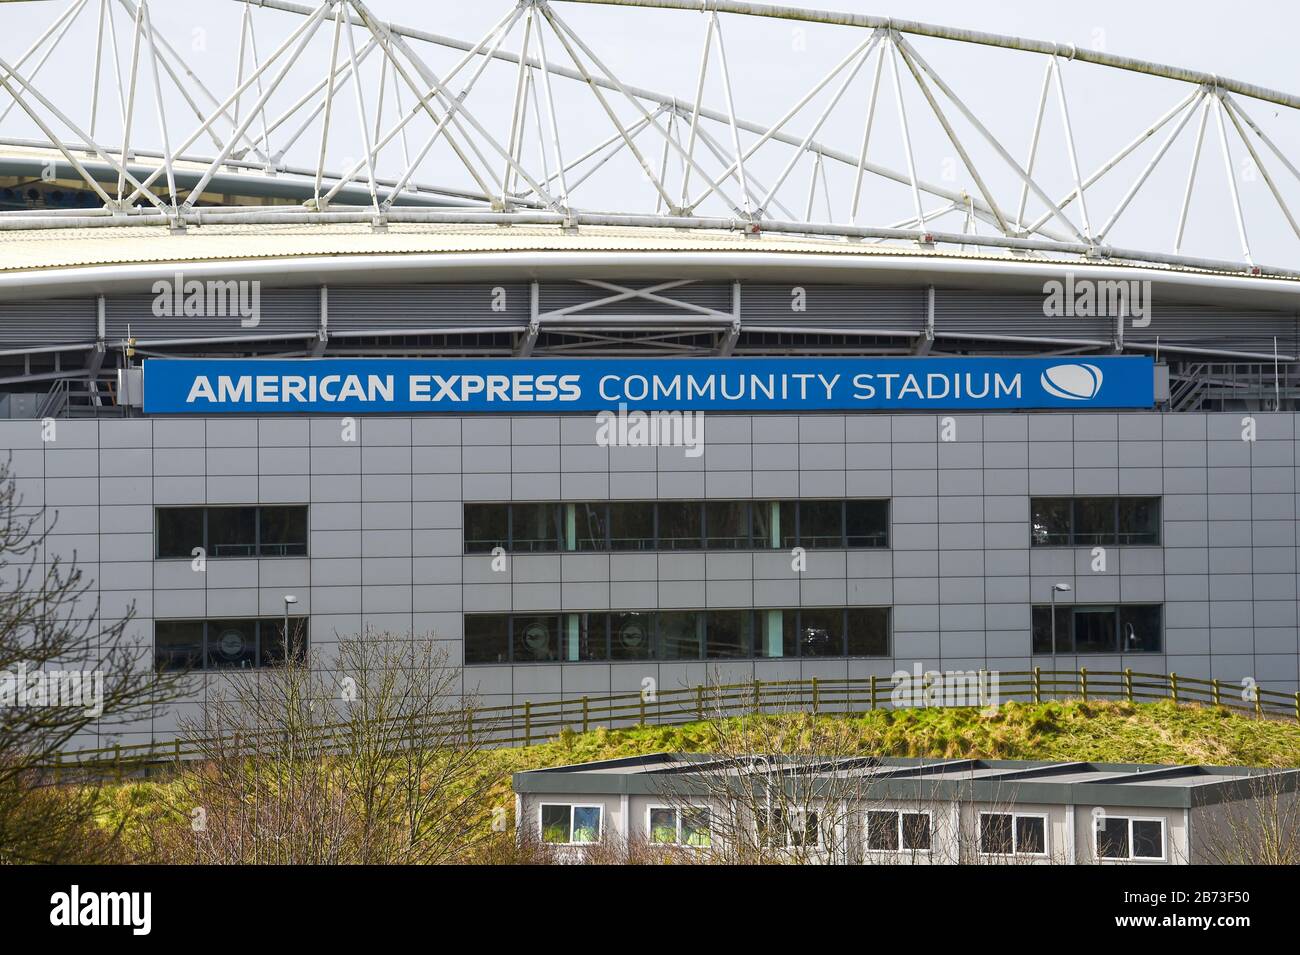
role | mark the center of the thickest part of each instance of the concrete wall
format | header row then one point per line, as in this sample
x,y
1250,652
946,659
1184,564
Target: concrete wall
x,y
386,511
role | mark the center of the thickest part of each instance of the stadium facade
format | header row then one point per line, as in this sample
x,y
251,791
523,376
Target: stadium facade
x,y
1141,479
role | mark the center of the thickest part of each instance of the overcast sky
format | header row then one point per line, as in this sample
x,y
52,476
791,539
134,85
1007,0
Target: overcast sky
x,y
771,64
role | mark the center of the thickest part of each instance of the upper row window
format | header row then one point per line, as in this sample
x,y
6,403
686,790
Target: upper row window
x,y
676,525
267,531
1094,521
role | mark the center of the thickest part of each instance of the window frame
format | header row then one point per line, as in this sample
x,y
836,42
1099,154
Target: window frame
x,y
677,812
1071,611
572,806
1015,835
1130,820
259,624
898,823
206,542
1116,531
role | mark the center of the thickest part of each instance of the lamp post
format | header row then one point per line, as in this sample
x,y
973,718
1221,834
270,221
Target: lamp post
x,y
289,599
1061,588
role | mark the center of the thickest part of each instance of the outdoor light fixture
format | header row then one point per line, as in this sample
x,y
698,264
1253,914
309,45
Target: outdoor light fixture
x,y
1061,588
289,600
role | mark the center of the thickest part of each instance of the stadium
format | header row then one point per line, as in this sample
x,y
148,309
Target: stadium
x,y
991,379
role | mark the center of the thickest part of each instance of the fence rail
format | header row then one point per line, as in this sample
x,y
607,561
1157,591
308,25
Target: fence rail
x,y
537,721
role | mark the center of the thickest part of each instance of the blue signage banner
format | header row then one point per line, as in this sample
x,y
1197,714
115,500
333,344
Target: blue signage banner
x,y
557,385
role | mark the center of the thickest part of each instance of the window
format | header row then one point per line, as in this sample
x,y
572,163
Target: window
x,y
268,531
726,525
533,527
487,638
226,644
689,826
1094,521
776,831
681,525
564,825
681,635
1127,628
821,524
1121,837
889,831
866,523
536,639
632,525
282,531
486,526
676,635
1004,834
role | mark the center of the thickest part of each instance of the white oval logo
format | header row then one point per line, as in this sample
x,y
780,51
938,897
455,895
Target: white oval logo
x,y
1073,382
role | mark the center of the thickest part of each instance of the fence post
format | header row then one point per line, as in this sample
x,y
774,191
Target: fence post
x,y
642,708
699,703
1083,683
873,691
1038,684
1297,707
528,722
117,762
1259,705
815,700
1173,686
1218,693
176,746
586,713
1128,683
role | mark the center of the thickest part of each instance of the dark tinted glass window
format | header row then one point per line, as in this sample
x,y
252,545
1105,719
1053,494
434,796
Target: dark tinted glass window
x,y
788,524
681,634
916,831
866,523
1094,630
1148,839
766,517
536,639
1112,837
821,633
178,644
283,531
1050,520
882,831
232,644
271,640
995,833
821,524
1139,520
534,527
631,636
586,526
487,638
774,634
632,525
180,530
867,631
1094,521
1031,834
1140,628
728,634
583,636
726,525
680,525
1043,630
232,531
486,527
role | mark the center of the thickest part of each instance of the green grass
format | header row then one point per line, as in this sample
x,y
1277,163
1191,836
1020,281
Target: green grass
x,y
1114,732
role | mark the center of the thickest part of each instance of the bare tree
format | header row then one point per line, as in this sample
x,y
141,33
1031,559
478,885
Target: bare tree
x,y
1263,828
368,759
65,672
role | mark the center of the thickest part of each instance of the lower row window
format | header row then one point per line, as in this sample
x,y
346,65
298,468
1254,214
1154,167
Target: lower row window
x,y
226,644
1122,837
566,825
1005,834
677,635
1126,628
778,829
